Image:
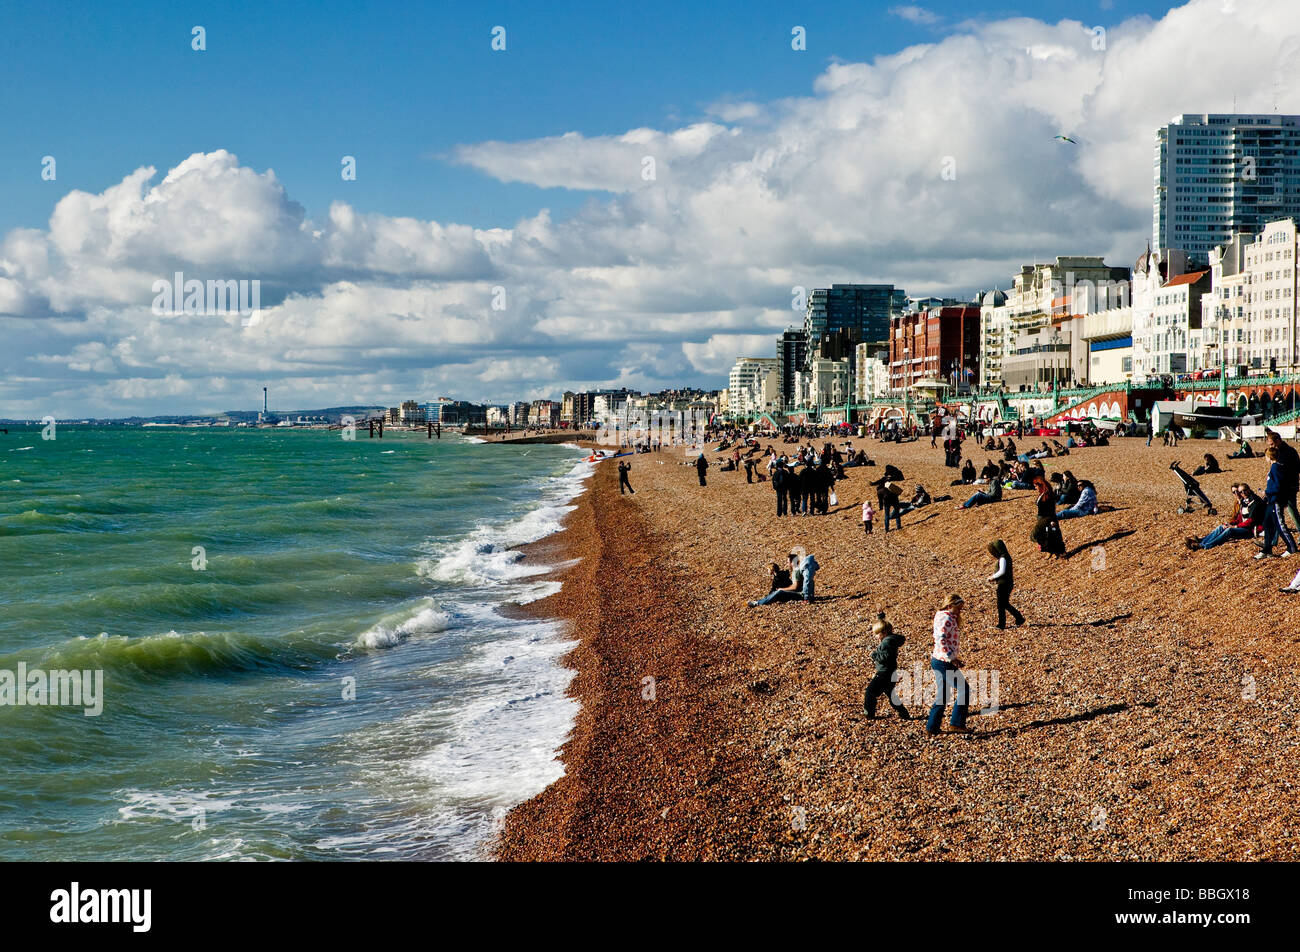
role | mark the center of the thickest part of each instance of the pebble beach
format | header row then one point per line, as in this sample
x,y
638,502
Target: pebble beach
x,y
1147,710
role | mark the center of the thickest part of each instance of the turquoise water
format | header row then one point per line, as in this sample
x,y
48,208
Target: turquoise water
x,y
327,677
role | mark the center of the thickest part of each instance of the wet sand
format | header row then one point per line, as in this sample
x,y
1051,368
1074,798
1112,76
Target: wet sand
x,y
1147,710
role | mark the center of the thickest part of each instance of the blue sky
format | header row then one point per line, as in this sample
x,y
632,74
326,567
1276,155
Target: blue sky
x,y
106,88
503,239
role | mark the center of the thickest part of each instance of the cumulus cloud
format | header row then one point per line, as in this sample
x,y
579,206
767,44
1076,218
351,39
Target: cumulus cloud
x,y
934,168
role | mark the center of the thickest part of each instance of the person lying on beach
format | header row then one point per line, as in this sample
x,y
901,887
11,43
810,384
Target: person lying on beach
x,y
1244,451
1060,450
885,658
1244,524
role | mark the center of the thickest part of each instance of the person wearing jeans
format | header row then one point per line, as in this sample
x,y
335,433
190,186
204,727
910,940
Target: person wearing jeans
x,y
1086,505
948,680
1005,579
982,497
805,571
1245,522
1274,522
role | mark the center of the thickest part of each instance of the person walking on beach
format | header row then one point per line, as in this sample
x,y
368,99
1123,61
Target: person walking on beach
x,y
1047,530
946,665
1005,579
885,659
867,515
623,469
701,466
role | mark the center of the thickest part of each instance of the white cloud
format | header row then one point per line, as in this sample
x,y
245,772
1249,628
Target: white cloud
x,y
654,281
914,14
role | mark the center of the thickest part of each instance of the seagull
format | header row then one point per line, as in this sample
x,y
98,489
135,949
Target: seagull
x,y
1066,139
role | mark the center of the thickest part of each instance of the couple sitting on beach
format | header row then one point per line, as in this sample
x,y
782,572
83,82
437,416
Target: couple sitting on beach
x,y
794,584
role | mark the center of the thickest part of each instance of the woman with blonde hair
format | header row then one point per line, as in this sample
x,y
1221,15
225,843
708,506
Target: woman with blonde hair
x,y
885,658
944,662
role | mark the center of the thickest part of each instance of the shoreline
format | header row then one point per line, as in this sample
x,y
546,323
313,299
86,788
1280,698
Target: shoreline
x,y
1118,700
645,759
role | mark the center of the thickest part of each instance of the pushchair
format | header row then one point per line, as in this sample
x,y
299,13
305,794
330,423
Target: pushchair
x,y
1196,497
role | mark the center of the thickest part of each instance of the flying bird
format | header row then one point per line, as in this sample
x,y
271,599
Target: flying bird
x,y
1066,139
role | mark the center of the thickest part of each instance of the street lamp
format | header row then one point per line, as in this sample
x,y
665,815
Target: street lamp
x,y
1056,345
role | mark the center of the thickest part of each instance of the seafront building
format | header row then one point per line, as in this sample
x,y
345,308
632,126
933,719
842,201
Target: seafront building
x,y
861,311
1218,175
1249,318
792,352
828,383
754,385
871,373
1021,346
939,345
545,413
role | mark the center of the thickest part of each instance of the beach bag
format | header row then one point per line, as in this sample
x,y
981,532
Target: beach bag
x,y
834,500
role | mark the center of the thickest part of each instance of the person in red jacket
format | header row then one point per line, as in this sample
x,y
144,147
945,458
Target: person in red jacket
x,y
1245,522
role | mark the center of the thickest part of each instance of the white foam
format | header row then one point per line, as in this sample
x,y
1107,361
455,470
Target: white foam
x,y
504,743
489,554
397,628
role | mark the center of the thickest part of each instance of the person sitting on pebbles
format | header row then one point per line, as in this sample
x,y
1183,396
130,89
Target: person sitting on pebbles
x,y
799,586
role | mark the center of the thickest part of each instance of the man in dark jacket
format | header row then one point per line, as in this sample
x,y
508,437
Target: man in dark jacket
x,y
781,483
824,480
808,489
701,466
885,658
1290,460
887,496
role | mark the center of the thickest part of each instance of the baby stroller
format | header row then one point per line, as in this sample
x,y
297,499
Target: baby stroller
x,y
1196,497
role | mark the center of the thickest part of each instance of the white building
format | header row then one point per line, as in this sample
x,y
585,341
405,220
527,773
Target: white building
x,y
1015,324
1217,175
750,379
1167,314
871,375
1270,324
828,382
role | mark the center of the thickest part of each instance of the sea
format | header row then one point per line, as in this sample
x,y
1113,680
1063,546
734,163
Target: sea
x,y
299,638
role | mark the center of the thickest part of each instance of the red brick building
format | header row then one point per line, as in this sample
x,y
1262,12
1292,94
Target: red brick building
x,y
933,345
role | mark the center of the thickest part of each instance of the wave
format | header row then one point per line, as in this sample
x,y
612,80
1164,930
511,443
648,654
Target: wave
x,y
173,653
397,628
489,555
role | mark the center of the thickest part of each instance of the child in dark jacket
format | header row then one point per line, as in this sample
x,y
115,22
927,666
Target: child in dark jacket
x,y
885,657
